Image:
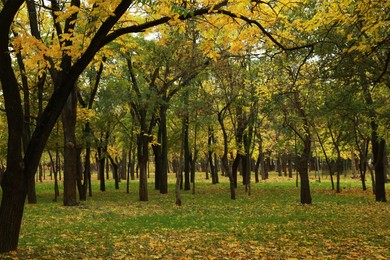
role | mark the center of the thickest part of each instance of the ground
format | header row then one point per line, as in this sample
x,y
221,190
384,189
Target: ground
x,y
268,224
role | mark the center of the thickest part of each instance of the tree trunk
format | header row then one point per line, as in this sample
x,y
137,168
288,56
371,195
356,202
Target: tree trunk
x,y
54,167
142,163
290,166
279,165
70,151
257,168
210,157
87,171
82,189
123,166
101,163
284,164
157,162
378,150
115,172
225,160
187,166
246,161
11,209
164,151
235,165
302,166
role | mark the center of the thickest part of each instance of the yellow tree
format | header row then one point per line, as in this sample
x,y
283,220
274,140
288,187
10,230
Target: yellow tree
x,y
359,34
76,52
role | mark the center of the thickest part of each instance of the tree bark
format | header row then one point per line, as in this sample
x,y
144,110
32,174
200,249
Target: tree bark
x,y
302,166
212,163
187,166
378,150
70,151
115,167
11,210
101,162
225,160
164,151
142,162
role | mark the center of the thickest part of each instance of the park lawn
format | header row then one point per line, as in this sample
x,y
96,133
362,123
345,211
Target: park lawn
x,y
270,223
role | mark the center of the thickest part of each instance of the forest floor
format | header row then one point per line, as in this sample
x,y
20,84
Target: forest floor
x,y
268,224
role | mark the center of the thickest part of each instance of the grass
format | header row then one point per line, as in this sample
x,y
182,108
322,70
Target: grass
x,y
269,224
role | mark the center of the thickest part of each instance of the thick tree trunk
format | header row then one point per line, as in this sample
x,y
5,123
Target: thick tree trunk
x,y
31,192
14,187
70,150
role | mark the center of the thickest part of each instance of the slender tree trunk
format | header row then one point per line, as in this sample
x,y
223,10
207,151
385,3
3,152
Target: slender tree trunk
x,y
123,166
194,159
187,166
101,163
257,168
363,163
210,157
164,151
87,171
290,166
225,160
326,159
157,162
378,150
130,170
54,167
142,162
235,165
115,167
302,165
246,162
279,165
80,180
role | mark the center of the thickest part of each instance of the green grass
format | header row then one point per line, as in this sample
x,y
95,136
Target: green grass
x,y
270,223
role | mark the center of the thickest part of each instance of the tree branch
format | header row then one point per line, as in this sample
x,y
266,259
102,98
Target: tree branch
x,y
142,27
263,30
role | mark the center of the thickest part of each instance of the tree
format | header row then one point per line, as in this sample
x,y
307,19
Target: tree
x,y
359,33
21,167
